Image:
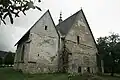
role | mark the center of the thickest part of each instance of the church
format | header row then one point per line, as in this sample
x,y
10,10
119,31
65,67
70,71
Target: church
x,y
67,47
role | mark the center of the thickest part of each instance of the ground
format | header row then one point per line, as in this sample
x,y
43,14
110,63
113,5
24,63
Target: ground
x,y
10,74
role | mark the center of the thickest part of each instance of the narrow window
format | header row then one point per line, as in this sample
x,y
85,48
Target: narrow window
x,y
45,27
38,54
78,39
88,69
22,54
79,69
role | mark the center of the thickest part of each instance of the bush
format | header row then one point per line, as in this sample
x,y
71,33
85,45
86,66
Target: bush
x,y
9,59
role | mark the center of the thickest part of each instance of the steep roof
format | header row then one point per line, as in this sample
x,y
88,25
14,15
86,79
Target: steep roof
x,y
89,29
66,25
26,35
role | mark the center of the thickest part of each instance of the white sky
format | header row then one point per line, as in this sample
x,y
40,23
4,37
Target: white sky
x,y
103,17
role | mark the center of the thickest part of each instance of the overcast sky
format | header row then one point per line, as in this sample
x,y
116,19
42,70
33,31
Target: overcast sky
x,y
103,17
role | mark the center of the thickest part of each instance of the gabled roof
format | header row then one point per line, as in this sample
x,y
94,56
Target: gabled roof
x,y
89,29
27,33
66,25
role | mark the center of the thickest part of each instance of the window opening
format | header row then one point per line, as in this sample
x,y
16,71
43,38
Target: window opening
x,y
88,69
79,69
78,39
45,27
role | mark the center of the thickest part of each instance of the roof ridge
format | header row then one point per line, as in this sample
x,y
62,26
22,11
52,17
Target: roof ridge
x,y
69,17
66,25
31,27
74,20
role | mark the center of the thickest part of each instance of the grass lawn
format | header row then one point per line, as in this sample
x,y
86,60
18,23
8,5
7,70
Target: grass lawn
x,y
10,74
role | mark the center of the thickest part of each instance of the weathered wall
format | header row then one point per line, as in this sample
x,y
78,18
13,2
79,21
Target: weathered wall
x,y
41,48
44,46
18,63
41,53
84,53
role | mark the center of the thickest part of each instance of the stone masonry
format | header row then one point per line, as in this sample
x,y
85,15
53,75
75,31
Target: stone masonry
x,y
68,47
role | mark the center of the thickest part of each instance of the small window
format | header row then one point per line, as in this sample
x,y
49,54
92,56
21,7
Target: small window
x,y
38,54
88,69
70,53
45,27
78,39
79,69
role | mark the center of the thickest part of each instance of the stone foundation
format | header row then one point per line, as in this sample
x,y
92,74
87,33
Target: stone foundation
x,y
33,68
92,70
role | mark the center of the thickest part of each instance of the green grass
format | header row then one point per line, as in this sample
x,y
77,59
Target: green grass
x,y
108,77
10,74
95,78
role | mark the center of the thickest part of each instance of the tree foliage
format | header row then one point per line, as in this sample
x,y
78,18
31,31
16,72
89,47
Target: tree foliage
x,y
14,7
9,59
109,51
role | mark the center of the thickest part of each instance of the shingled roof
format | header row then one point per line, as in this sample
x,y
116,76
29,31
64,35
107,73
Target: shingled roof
x,y
66,25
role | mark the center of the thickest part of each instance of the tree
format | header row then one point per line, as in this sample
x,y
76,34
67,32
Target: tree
x,y
9,59
102,44
109,50
102,49
14,7
116,57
